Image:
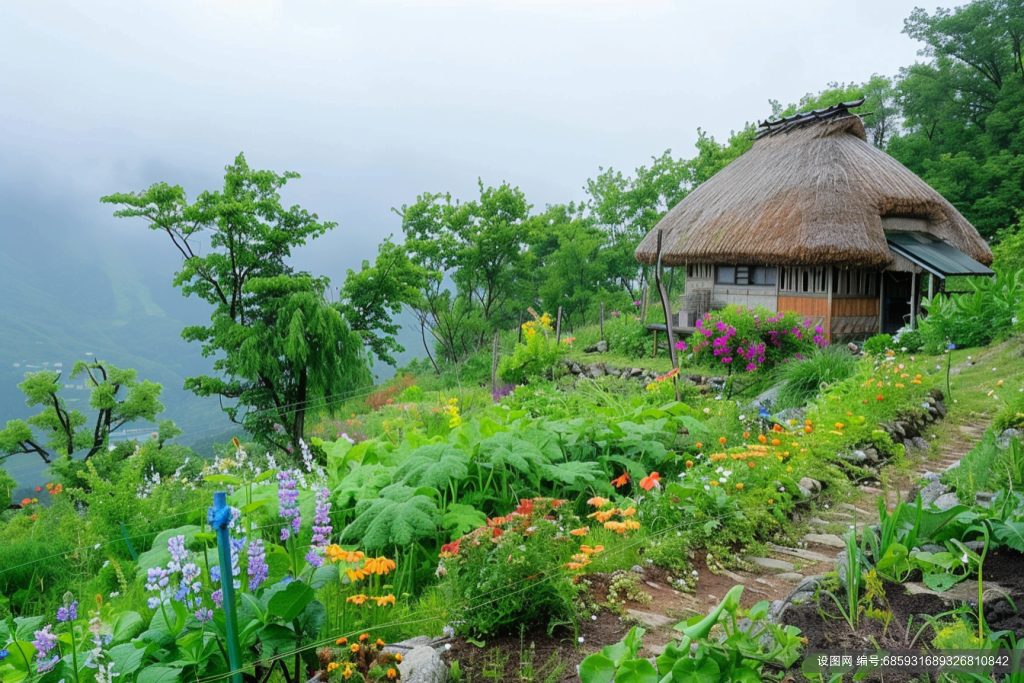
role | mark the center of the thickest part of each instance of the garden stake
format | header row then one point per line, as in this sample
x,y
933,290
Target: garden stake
x,y
128,542
219,518
949,362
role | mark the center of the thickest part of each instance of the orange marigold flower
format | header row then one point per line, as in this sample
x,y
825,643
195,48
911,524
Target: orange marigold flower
x,y
598,501
746,435
398,657
689,463
628,512
392,674
752,465
364,637
840,425
354,647
880,397
776,428
722,440
384,600
356,599
762,438
332,666
808,429
651,481
776,442
26,502
699,445
582,531
621,481
341,641
739,486
380,643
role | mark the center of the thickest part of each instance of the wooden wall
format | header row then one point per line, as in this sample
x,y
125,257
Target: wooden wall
x,y
805,305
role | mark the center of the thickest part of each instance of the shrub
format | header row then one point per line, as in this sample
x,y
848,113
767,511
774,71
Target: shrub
x,y
488,572
752,338
990,310
386,394
1011,416
535,357
878,344
908,339
804,379
627,336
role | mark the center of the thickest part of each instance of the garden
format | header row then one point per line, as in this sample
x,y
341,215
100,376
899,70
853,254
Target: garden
x,y
529,532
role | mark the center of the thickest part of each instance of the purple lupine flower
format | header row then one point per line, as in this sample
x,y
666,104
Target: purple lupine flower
x,y
204,614
218,598
258,570
67,612
322,518
176,547
44,642
157,578
288,502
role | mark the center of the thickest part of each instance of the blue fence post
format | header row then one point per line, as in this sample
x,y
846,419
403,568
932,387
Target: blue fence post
x,y
220,519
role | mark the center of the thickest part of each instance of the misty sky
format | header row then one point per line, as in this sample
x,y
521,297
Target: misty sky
x,y
375,102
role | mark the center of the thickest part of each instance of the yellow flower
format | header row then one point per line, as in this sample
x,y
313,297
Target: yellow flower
x,y
598,501
384,600
379,566
356,600
355,574
332,666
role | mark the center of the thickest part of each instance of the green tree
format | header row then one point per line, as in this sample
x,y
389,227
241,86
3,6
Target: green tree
x,y
114,394
374,296
281,349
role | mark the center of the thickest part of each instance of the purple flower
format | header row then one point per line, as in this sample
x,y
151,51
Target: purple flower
x,y
218,598
503,391
45,641
681,346
288,502
258,569
637,303
68,612
176,547
204,614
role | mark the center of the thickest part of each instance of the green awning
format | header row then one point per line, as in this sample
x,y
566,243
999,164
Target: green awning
x,y
934,255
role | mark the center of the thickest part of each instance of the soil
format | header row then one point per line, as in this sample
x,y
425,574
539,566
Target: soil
x,y
1002,576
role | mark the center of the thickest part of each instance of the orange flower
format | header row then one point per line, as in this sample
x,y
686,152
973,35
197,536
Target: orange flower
x,y
364,637
587,550
332,666
384,600
341,641
354,648
699,445
631,524
714,483
776,442
25,502
721,440
880,397
355,574
746,435
575,565
617,527
808,423
689,463
356,599
651,481
602,515
762,438
752,465
776,428
392,674
808,429
379,566
739,487
380,643
840,425
621,481
582,531
598,501
398,657
628,512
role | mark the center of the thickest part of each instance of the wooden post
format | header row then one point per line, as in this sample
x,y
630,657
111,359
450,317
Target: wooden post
x,y
913,300
494,364
881,302
602,321
828,309
558,327
667,307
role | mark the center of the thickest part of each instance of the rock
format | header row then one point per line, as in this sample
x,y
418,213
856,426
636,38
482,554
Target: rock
x,y
946,501
872,455
830,540
635,372
656,650
932,492
404,646
854,349
777,566
800,553
941,408
812,484
654,585
423,665
765,400
933,548
650,619
791,577
596,370
984,498
601,347
856,457
791,414
1003,441
900,427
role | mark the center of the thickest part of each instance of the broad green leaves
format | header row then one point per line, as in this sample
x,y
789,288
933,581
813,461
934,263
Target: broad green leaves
x,y
434,465
398,517
287,604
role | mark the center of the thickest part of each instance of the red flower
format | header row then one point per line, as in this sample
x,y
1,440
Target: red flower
x,y
525,507
880,397
38,489
651,481
621,481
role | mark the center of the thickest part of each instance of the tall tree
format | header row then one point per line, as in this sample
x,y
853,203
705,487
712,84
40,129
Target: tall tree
x,y
116,396
281,349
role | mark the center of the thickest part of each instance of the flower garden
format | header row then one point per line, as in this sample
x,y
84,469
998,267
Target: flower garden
x,y
522,530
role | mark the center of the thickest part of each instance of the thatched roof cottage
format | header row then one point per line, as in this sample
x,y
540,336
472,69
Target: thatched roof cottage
x,y
816,220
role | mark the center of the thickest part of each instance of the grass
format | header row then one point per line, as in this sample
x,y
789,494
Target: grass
x,y
804,379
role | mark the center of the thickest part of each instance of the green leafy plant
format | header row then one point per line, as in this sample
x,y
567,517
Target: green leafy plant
x,y
802,380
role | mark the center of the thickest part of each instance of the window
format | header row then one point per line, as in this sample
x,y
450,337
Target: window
x,y
802,280
700,271
745,275
855,283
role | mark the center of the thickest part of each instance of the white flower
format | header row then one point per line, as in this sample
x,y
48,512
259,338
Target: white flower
x,y
743,417
825,506
707,411
447,646
994,369
964,558
727,473
706,487
722,479
96,547
115,594
694,572
593,617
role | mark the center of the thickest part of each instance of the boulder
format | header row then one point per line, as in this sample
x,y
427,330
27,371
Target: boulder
x,y
596,370
423,665
946,501
933,491
1003,442
811,484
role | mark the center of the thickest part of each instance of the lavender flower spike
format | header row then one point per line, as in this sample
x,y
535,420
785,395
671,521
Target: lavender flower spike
x,y
288,503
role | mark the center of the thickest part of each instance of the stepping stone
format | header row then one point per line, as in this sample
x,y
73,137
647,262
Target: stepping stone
x,y
791,577
651,619
825,539
771,563
808,555
654,585
817,521
734,576
656,650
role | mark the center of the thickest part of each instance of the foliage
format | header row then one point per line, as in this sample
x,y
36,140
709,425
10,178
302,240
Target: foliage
x,y
514,570
752,338
985,313
374,296
66,430
627,335
281,348
534,358
878,344
802,380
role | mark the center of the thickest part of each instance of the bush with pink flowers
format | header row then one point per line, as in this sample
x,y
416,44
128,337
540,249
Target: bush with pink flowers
x,y
748,339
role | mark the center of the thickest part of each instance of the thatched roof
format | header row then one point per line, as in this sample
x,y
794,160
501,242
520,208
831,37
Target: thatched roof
x,y
810,191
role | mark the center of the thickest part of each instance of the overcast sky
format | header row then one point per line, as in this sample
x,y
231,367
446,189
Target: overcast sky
x,y
375,102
